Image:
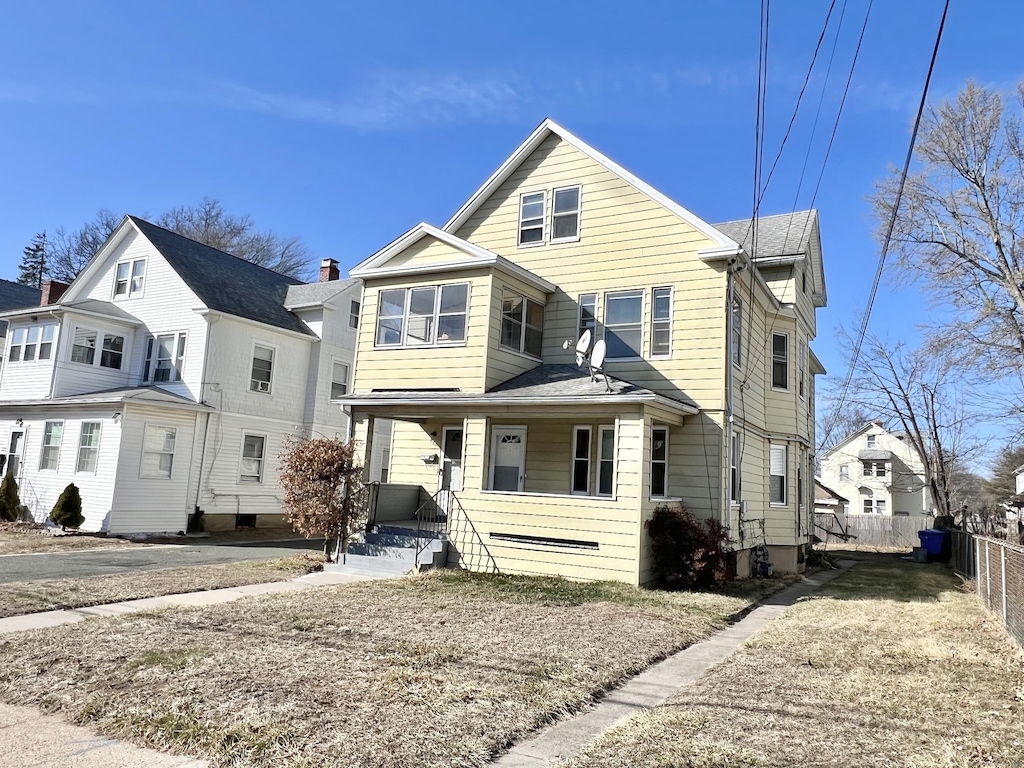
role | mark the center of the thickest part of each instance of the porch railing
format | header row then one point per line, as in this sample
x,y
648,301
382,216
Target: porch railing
x,y
432,519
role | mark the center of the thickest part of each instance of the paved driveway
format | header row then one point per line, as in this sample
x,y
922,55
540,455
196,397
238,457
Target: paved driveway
x,y
64,565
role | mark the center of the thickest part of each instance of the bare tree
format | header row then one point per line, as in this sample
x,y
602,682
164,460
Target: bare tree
x,y
69,252
960,228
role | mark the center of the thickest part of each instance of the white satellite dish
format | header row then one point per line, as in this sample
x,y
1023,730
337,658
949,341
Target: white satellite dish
x,y
596,362
583,347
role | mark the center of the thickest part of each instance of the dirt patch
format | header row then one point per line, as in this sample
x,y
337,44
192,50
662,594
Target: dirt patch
x,y
442,669
22,538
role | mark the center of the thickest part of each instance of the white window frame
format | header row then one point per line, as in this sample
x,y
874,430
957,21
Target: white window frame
x,y
178,352
585,325
523,324
664,462
149,452
353,313
335,362
101,338
783,361
82,448
131,291
734,468
800,368
611,296
43,463
844,472
772,448
435,319
871,441
667,321
602,459
576,460
24,333
249,479
258,388
578,213
542,218
736,347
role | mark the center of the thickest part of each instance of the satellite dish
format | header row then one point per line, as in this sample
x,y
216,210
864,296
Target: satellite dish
x,y
583,346
598,355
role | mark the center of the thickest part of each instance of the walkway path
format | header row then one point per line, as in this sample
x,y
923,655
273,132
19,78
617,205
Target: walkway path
x,y
654,686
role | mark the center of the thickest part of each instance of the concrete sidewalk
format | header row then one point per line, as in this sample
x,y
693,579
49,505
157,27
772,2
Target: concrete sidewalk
x,y
563,740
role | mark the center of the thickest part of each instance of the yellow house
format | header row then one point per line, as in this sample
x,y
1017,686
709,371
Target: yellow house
x,y
467,343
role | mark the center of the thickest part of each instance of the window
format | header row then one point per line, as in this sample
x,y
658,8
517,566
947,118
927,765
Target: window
x,y
803,281
799,487
83,348
262,368
128,278
780,361
33,342
531,219
84,343
844,471
734,471
606,461
434,315
581,460
88,447
873,506
565,217
522,323
661,322
587,320
158,451
874,469
779,462
872,441
53,433
659,461
252,459
165,355
623,327
339,380
737,330
353,314
880,506
800,370
112,352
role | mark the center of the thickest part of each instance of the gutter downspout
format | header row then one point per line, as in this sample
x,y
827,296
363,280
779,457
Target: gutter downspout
x,y
209,415
734,265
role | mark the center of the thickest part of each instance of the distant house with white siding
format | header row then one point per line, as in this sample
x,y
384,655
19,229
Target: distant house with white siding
x,y
164,380
467,343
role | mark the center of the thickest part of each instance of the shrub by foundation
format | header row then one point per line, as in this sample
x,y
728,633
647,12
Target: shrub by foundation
x,y
688,552
67,512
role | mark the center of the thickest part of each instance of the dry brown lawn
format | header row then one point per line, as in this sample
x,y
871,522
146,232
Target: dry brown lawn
x,y
20,538
440,669
890,665
20,597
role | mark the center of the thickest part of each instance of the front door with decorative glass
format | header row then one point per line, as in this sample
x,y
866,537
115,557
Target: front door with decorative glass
x,y
508,458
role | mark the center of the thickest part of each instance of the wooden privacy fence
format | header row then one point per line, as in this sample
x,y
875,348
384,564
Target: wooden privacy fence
x,y
872,530
999,576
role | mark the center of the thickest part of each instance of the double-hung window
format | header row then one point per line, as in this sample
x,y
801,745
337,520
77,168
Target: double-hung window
x,y
165,356
85,343
420,327
262,368
390,317
339,380
606,460
777,472
871,441
780,361
581,460
565,216
531,218
129,277
158,451
53,434
522,323
737,331
88,447
34,342
83,347
734,468
844,471
659,462
353,314
661,322
800,363
428,315
623,323
587,320
252,459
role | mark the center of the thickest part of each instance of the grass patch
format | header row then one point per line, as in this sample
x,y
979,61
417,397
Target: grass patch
x,y
23,538
18,598
440,669
891,664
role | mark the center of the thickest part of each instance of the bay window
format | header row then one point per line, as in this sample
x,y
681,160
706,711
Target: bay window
x,y
423,316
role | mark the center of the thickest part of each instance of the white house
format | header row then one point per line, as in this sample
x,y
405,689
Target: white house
x,y
165,379
879,472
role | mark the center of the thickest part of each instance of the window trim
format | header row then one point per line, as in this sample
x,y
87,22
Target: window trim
x,y
527,300
844,473
98,349
248,479
348,373
177,358
579,316
543,220
403,334
354,308
81,447
668,320
36,345
493,442
273,368
608,296
130,291
734,466
772,447
143,475
578,213
601,459
871,440
776,387
576,430
43,446
659,428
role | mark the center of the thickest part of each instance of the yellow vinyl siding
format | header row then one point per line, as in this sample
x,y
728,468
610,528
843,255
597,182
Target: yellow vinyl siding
x,y
504,364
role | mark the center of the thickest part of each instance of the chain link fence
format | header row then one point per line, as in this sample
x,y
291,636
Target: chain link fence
x,y
997,568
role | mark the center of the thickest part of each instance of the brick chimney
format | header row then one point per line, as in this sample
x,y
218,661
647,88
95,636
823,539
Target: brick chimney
x,y
329,270
52,291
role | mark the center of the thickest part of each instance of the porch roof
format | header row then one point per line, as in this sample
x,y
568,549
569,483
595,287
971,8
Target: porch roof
x,y
874,454
547,384
142,395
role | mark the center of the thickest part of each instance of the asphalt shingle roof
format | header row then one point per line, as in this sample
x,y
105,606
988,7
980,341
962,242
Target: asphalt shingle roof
x,y
17,296
785,234
306,294
224,282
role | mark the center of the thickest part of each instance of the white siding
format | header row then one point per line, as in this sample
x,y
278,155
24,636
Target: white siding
x,y
76,378
21,380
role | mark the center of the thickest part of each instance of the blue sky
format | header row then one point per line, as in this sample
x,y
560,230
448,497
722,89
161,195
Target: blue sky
x,y
347,123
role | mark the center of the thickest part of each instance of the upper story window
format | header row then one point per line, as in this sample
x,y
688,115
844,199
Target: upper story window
x,y
165,356
565,215
339,380
262,368
587,320
353,314
780,361
800,365
85,343
531,218
872,441
844,471
522,323
874,469
661,322
34,342
623,323
423,316
737,331
129,277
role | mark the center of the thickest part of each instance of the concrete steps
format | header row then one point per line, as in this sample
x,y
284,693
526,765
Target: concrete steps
x,y
391,550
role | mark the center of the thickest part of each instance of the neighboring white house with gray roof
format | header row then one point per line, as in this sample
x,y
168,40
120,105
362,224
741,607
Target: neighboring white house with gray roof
x,y
165,380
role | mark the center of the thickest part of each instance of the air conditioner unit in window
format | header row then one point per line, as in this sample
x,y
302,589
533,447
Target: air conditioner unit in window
x,y
260,386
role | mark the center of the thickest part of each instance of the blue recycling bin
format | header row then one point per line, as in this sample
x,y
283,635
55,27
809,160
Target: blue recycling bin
x,y
933,542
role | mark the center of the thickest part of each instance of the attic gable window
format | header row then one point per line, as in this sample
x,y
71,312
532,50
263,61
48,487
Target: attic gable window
x,y
129,277
531,218
565,215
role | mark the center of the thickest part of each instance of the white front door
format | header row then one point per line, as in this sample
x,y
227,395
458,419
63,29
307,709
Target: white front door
x,y
451,459
508,458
